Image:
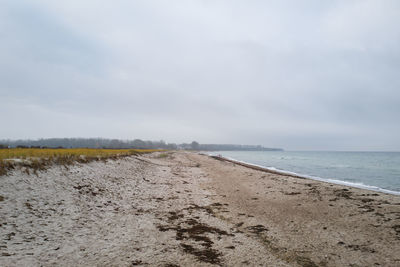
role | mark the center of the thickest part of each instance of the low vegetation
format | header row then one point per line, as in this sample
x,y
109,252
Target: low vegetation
x,y
163,155
35,159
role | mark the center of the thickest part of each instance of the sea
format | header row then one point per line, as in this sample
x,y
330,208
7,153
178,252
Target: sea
x,y
377,171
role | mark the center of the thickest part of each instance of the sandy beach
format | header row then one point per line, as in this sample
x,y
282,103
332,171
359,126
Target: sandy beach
x,y
186,209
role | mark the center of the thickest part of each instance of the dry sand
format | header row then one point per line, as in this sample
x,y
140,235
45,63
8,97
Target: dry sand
x,y
185,209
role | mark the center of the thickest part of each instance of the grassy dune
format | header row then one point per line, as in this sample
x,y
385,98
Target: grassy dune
x,y
39,159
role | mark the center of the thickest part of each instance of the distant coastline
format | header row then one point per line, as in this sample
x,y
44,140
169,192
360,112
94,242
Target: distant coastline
x,y
233,147
126,144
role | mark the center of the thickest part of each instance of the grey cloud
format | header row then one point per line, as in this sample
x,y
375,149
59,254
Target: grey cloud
x,y
291,74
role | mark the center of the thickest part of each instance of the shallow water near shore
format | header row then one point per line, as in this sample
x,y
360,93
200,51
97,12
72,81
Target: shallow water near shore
x,y
379,171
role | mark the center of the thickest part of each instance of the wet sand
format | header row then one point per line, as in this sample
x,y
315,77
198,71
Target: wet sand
x,y
185,209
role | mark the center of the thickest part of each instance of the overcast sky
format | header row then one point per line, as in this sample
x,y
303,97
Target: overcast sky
x,y
301,75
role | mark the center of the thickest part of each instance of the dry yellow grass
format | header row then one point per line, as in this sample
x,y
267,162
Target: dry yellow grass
x,y
39,159
24,153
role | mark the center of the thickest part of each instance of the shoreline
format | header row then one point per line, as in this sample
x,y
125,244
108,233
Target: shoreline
x,y
185,209
322,219
305,176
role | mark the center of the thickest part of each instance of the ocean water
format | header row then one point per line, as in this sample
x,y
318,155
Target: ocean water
x,y
379,171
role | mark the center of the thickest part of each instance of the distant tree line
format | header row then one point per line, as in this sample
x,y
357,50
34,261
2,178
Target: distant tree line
x,y
232,147
88,143
120,144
